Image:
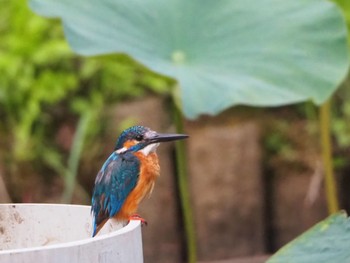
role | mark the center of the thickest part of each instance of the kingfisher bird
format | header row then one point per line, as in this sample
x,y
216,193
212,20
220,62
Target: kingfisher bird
x,y
127,176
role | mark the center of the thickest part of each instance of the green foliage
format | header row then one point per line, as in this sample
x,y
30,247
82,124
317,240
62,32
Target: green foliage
x,y
32,72
42,81
341,119
328,241
38,70
276,141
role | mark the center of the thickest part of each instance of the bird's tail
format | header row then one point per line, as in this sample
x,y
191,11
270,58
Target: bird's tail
x,y
94,226
97,226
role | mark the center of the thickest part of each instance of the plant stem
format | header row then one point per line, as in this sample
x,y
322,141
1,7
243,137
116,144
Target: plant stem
x,y
330,183
182,180
74,157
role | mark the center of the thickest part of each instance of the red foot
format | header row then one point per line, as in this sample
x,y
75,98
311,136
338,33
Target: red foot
x,y
137,217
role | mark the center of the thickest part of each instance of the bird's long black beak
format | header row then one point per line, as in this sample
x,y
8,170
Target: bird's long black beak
x,y
165,137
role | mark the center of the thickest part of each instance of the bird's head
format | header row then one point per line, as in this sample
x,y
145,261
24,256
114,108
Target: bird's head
x,y
140,138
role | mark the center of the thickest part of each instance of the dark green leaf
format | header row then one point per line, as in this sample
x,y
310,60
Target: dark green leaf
x,y
328,241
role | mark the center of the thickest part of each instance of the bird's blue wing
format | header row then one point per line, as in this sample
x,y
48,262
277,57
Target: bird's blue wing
x,y
117,177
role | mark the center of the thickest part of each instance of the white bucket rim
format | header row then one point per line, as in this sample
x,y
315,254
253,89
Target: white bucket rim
x,y
128,228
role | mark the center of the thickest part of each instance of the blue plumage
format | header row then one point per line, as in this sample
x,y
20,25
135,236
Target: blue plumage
x,y
117,177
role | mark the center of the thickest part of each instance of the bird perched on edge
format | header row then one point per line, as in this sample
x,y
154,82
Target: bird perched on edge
x,y
127,176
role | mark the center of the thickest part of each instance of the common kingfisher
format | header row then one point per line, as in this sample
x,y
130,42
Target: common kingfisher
x,y
127,176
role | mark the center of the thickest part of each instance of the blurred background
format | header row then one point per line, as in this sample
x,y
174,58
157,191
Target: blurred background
x,y
255,175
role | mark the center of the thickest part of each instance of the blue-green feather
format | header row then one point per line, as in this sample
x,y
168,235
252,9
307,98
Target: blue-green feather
x,y
116,179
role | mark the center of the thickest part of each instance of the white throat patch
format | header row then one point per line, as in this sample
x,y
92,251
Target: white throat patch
x,y
149,148
121,150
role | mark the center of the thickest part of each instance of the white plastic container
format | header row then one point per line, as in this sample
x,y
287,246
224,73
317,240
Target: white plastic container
x,y
62,234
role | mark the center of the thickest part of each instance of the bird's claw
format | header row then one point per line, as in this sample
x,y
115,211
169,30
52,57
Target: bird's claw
x,y
139,218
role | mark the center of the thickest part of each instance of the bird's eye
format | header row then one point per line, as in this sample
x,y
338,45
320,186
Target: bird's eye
x,y
139,138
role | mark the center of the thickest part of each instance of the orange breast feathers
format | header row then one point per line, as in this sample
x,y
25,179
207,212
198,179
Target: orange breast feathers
x,y
149,172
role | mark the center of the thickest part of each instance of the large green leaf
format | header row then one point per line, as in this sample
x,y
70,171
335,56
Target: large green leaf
x,y
223,52
328,241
